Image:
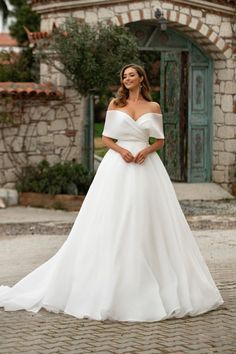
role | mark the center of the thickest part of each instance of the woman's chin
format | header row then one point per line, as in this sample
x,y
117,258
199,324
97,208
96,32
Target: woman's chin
x,y
131,87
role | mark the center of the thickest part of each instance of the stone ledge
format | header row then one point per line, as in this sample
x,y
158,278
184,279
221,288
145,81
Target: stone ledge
x,y
201,191
59,201
9,196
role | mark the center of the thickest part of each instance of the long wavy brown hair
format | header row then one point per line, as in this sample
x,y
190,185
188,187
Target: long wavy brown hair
x,y
123,93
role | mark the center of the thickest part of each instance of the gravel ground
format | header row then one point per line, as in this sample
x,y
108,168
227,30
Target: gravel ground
x,y
34,229
200,215
209,207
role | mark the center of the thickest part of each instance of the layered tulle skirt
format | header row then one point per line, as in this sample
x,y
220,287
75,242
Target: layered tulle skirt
x,y
130,255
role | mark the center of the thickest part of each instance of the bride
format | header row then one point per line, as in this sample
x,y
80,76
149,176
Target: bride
x,y
130,255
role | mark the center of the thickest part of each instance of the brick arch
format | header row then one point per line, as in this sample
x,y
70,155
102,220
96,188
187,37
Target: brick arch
x,y
193,27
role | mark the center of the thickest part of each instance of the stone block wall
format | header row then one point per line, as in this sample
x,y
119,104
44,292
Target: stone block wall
x,y
212,28
224,122
38,129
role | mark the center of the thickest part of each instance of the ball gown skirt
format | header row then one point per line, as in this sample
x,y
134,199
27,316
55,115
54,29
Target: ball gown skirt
x,y
130,255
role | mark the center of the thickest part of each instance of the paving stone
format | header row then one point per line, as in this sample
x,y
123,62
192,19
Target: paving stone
x,y
22,332
202,334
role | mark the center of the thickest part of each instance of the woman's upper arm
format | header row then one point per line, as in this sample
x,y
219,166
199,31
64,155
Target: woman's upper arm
x,y
111,105
158,123
156,107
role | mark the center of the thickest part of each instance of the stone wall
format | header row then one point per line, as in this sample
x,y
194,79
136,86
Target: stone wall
x,y
224,122
37,129
212,26
213,30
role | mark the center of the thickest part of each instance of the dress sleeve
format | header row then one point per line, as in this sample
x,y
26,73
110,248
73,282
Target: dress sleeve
x,y
156,127
109,129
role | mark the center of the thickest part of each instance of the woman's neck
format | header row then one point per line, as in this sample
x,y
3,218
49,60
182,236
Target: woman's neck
x,y
135,96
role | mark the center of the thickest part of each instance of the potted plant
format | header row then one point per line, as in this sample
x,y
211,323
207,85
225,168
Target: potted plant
x,y
61,186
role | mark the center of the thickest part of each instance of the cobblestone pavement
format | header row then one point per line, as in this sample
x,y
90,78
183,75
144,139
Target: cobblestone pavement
x,y
44,333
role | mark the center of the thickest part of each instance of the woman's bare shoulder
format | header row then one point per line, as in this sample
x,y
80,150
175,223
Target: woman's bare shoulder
x,y
155,107
111,105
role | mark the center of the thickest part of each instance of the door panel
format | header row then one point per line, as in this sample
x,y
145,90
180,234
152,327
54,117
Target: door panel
x,y
186,101
174,108
199,131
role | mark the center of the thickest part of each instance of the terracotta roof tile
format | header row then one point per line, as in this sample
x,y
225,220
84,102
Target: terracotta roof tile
x,y
29,90
35,36
7,41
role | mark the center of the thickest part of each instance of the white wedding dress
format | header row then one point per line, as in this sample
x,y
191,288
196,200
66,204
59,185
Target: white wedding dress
x,y
130,255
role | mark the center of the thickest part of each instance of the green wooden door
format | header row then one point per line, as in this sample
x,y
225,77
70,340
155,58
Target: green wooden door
x,y
174,109
186,100
200,107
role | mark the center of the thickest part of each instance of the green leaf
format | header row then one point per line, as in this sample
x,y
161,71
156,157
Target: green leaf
x,y
92,56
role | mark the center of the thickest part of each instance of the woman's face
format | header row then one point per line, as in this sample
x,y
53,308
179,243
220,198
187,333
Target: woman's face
x,y
131,79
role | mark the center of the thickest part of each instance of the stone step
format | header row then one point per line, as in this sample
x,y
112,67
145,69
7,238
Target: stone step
x,y
8,197
201,191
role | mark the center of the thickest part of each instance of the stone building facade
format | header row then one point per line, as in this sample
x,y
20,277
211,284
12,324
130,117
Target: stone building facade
x,y
37,122
206,30
211,26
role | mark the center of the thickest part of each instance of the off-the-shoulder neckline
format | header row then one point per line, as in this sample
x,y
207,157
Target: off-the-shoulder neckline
x,y
128,115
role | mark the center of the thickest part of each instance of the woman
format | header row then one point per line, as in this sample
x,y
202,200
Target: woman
x,y
130,255
135,97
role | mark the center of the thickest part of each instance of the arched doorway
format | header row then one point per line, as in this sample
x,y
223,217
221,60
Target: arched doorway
x,y
186,99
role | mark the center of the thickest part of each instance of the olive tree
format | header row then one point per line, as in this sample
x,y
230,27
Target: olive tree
x,y
91,56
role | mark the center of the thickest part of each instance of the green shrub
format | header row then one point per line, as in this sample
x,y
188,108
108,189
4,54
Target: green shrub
x,y
91,55
20,67
62,178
